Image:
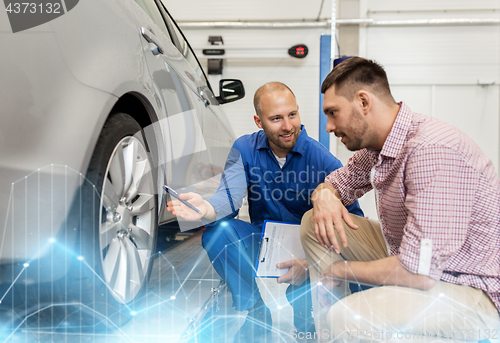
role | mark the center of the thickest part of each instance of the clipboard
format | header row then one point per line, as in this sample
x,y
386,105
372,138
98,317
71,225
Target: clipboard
x,y
279,242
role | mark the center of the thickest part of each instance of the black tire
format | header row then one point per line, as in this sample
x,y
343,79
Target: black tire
x,y
104,305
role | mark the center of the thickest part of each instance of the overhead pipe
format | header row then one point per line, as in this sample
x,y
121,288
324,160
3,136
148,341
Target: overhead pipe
x,y
327,23
251,25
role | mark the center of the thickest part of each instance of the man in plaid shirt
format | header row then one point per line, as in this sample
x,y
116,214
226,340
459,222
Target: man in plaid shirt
x,y
435,254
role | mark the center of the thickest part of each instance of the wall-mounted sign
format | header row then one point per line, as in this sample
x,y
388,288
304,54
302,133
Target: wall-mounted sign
x,y
298,51
213,52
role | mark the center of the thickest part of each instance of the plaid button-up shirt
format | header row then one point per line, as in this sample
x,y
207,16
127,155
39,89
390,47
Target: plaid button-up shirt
x,y
438,201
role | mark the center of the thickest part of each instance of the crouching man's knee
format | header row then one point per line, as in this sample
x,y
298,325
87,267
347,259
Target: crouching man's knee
x,y
338,320
219,235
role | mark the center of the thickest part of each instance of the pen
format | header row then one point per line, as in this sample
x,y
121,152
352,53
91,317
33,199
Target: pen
x,y
175,195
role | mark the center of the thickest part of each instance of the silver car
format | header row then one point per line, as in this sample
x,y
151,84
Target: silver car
x,y
99,108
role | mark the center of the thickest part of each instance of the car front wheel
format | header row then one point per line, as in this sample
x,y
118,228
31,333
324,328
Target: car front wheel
x,y
120,233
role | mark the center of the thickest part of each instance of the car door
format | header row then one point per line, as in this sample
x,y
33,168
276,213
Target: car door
x,y
217,131
175,82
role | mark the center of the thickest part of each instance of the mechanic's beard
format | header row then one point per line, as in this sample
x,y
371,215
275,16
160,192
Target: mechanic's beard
x,y
285,145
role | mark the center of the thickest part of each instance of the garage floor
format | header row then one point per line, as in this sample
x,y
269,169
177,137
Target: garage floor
x,y
185,303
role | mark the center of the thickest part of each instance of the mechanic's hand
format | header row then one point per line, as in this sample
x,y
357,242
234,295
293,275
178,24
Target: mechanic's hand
x,y
297,274
329,281
328,212
179,209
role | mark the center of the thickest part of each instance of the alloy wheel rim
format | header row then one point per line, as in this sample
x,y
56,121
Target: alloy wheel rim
x,y
126,223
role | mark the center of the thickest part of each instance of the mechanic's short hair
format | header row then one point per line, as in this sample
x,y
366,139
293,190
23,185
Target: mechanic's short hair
x,y
269,87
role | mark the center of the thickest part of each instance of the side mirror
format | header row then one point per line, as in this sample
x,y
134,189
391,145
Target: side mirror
x,y
230,90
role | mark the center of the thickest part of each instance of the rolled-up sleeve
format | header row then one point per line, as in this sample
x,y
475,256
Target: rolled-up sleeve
x,y
233,187
353,180
440,191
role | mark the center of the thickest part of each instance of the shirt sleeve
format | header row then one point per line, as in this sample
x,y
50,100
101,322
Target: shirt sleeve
x,y
334,164
440,192
353,180
232,189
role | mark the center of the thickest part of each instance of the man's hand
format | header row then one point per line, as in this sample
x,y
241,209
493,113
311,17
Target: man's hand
x,y
179,209
329,280
386,272
297,274
328,212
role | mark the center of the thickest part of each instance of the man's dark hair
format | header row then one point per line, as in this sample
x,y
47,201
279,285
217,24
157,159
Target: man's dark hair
x,y
269,87
357,73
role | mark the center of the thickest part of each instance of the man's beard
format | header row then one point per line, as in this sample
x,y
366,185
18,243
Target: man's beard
x,y
275,139
357,128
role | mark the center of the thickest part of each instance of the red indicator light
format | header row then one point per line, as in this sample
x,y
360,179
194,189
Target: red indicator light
x,y
298,51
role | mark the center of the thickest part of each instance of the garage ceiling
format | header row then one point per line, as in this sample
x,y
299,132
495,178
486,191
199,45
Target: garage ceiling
x,y
244,10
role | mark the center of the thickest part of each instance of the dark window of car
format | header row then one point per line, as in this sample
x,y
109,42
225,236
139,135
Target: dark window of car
x,y
151,9
182,44
159,14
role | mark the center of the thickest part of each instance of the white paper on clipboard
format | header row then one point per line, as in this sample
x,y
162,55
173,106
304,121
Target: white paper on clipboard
x,y
280,242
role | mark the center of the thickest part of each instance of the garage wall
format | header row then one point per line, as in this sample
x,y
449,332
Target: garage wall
x,y
442,71
246,10
301,75
449,72
269,61
435,69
